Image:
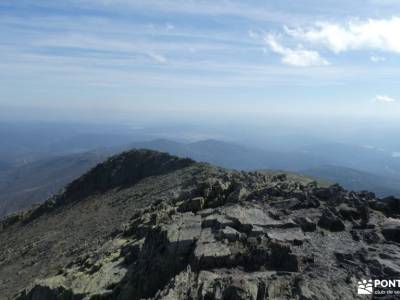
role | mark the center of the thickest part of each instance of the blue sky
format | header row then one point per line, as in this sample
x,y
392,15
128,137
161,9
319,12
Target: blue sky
x,y
201,57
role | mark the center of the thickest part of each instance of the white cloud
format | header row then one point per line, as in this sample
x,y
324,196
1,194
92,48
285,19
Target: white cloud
x,y
295,57
377,59
384,99
378,34
157,57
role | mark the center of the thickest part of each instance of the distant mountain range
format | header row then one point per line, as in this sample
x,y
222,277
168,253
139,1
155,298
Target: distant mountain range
x,y
356,180
22,143
363,158
370,169
23,186
234,156
4,166
355,168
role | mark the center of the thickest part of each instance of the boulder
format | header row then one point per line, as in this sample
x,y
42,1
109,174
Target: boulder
x,y
230,234
289,235
49,293
194,205
306,224
348,213
281,258
391,232
330,222
239,193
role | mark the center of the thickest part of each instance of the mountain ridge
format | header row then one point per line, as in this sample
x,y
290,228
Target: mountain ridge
x,y
187,230
33,182
99,179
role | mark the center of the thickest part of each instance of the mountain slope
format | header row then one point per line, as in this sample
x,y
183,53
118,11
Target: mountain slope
x,y
51,236
147,225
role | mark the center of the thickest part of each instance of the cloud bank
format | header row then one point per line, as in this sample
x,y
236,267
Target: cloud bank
x,y
384,99
377,59
375,34
298,57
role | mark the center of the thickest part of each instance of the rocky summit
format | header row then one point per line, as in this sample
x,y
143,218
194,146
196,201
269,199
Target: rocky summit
x,y
147,225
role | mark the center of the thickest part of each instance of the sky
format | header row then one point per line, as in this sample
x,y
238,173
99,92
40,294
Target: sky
x,y
132,59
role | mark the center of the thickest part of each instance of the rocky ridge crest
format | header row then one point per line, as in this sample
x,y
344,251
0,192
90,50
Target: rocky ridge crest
x,y
224,234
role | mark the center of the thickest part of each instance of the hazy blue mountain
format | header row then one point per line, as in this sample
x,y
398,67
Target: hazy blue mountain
x,y
234,156
356,180
4,166
324,161
22,186
86,142
162,145
22,143
368,159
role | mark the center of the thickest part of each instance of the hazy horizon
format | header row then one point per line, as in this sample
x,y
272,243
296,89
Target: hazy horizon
x,y
200,61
